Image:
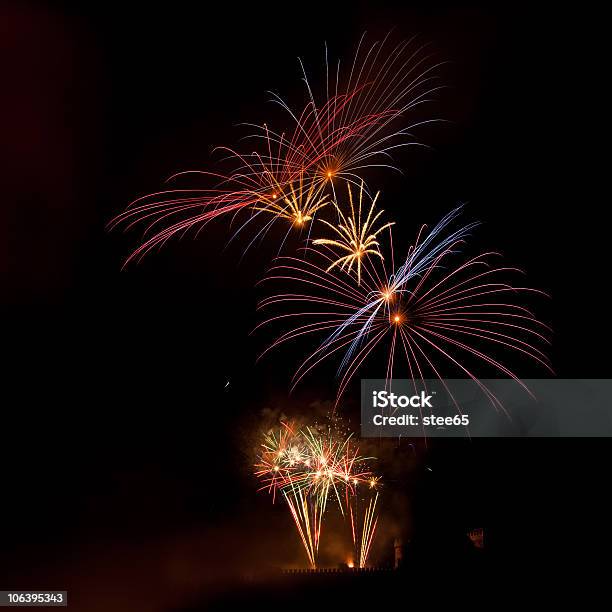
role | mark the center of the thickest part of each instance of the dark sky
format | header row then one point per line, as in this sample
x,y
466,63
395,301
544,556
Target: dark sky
x,y
118,435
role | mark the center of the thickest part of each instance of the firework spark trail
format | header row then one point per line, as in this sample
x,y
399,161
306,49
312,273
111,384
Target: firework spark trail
x,y
309,468
427,309
360,120
303,516
370,520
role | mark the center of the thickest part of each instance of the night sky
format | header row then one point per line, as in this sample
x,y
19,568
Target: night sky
x,y
125,455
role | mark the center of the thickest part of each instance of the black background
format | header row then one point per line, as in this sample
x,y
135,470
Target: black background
x,y
124,459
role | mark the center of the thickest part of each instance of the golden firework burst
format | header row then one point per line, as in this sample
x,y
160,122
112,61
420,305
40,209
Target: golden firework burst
x,y
357,237
298,202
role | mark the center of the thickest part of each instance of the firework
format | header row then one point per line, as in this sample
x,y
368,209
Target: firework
x,y
356,235
309,467
356,123
298,203
363,114
364,535
254,186
428,309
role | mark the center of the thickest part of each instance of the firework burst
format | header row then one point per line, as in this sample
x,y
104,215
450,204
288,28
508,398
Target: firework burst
x,y
356,123
309,467
356,235
255,185
363,114
298,203
429,309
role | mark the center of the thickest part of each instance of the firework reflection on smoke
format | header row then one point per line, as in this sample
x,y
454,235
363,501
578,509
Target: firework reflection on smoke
x,y
310,468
